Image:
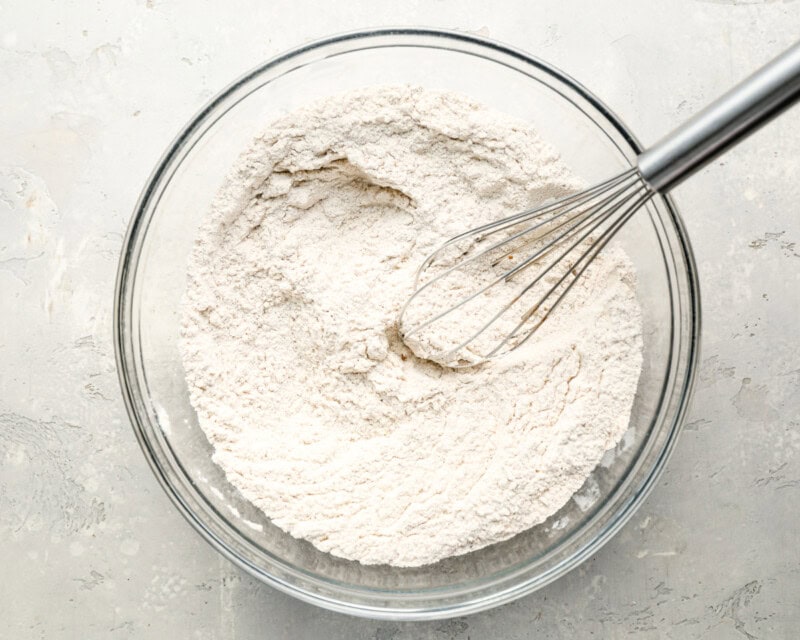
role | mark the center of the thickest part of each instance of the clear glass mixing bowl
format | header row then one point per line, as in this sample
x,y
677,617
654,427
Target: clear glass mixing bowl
x,y
151,281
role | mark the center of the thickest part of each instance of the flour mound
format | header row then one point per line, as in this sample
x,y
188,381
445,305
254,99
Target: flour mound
x,y
318,413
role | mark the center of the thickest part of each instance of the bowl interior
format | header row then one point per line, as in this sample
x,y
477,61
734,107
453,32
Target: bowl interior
x,y
153,281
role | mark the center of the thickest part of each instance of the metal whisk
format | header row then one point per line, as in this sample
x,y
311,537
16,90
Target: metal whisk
x,y
470,302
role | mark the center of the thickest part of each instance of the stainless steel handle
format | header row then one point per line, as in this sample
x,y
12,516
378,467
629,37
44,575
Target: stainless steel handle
x,y
725,122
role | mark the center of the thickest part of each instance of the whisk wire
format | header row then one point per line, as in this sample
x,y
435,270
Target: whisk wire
x,y
445,355
584,215
574,200
610,204
596,248
624,178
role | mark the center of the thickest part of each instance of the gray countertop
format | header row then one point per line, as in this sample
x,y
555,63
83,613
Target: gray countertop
x,y
92,548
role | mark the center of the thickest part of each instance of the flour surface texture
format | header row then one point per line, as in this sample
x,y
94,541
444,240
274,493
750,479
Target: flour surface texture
x,y
318,413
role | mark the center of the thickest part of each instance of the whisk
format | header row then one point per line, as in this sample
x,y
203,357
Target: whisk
x,y
470,302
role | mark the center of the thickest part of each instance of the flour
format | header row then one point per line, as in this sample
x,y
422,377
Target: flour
x,y
319,414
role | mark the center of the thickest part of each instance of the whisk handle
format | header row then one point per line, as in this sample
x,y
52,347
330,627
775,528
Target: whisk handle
x,y
724,123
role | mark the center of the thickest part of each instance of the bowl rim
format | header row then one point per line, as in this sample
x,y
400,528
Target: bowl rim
x,y
126,272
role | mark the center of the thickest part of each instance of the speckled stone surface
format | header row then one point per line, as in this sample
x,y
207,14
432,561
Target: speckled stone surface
x,y
91,93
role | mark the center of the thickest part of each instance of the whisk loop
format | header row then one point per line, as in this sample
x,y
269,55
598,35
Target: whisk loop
x,y
447,318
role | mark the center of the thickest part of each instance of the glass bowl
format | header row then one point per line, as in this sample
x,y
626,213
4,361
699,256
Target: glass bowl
x,y
151,281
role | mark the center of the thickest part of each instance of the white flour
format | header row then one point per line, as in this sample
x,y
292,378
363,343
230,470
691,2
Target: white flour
x,y
318,413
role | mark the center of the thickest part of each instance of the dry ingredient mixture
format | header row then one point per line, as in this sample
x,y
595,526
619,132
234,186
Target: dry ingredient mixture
x,y
318,413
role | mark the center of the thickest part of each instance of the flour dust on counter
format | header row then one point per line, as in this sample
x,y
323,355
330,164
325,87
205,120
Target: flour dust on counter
x,y
318,413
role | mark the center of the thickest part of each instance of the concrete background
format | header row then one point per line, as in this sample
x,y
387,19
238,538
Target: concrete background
x,y
90,94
